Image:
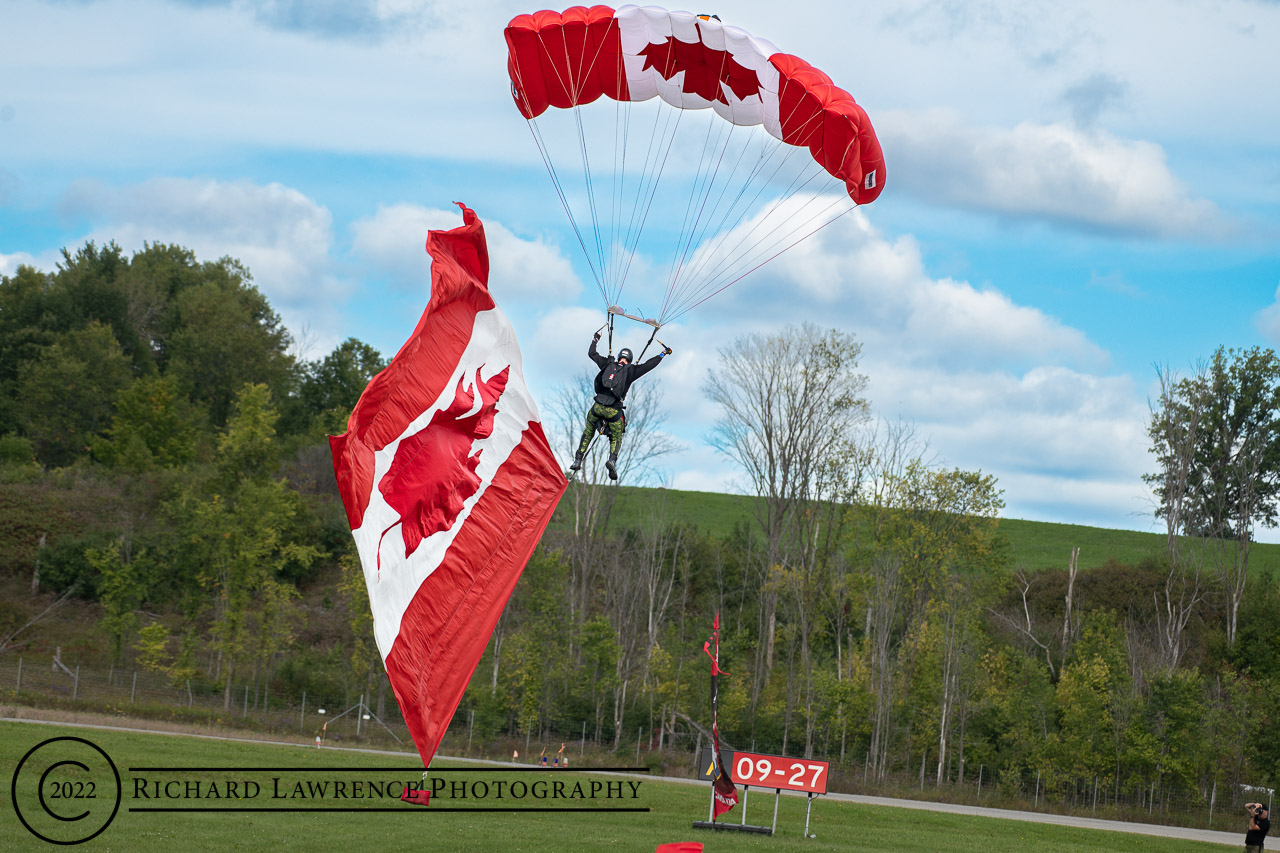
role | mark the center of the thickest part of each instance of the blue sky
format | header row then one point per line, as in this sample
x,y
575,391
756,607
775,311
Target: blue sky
x,y
1077,191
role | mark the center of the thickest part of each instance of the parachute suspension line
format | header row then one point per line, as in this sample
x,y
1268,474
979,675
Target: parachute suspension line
x,y
584,72
584,69
697,291
703,177
621,150
676,293
769,250
598,274
713,252
776,235
536,132
766,260
700,176
693,235
676,287
620,127
768,152
591,190
564,202
656,170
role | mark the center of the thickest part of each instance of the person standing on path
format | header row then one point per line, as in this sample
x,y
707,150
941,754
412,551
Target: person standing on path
x,y
1259,826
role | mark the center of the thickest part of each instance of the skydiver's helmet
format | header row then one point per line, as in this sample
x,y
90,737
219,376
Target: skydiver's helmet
x,y
627,354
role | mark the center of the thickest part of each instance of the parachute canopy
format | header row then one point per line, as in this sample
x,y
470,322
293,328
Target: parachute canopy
x,y
750,199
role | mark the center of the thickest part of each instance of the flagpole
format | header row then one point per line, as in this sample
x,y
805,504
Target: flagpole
x,y
722,783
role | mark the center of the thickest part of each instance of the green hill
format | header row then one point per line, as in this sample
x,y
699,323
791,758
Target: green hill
x,y
1034,544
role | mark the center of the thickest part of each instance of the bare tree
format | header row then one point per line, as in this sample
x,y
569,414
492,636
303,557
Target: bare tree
x,y
1232,553
1175,605
12,638
591,495
1176,429
1068,630
1216,436
888,450
1026,625
786,399
883,597
624,602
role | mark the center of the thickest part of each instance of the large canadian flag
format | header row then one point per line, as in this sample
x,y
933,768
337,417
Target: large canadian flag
x,y
448,482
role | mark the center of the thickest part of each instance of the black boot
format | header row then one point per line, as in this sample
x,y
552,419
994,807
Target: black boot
x,y
577,461
612,466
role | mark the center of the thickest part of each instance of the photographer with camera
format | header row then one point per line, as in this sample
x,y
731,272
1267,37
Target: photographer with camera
x,y
1259,826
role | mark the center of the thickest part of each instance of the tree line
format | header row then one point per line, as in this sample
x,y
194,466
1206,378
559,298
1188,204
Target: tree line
x,y
163,456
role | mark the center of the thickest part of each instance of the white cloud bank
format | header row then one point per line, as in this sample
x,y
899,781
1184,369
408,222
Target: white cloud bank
x,y
283,237
287,241
991,384
1267,321
393,241
1049,172
9,263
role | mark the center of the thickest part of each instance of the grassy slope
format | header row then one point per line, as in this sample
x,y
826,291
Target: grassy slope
x,y
838,826
1034,544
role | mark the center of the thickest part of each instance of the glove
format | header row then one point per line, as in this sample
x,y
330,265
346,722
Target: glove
x,y
595,337
667,351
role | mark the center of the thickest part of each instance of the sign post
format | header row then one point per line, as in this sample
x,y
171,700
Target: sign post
x,y
780,772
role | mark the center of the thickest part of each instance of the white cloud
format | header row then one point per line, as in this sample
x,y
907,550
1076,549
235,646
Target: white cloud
x,y
993,384
393,240
1099,502
1267,321
1047,419
281,235
849,275
366,20
1049,172
9,263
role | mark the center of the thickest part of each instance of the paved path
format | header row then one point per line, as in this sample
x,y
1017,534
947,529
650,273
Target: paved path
x,y
1233,839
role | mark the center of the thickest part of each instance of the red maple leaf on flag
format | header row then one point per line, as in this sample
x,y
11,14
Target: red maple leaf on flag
x,y
704,69
434,472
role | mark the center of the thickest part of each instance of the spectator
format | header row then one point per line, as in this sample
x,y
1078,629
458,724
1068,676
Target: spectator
x,y
1259,826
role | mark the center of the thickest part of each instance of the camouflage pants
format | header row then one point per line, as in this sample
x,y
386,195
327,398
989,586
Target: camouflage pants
x,y
599,419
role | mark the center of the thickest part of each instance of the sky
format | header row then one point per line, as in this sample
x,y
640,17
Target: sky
x,y
1077,193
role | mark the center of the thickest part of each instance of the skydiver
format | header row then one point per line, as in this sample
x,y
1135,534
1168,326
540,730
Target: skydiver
x,y
607,412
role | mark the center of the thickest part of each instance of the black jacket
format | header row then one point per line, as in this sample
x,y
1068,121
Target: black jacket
x,y
1257,836
630,373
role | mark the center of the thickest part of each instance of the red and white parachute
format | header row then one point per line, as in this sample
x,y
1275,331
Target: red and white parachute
x,y
448,482
783,152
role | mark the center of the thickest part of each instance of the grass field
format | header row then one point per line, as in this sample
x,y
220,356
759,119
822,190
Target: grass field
x,y
1034,544
672,808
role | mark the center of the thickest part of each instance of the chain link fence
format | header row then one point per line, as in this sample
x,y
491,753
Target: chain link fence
x,y
352,720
